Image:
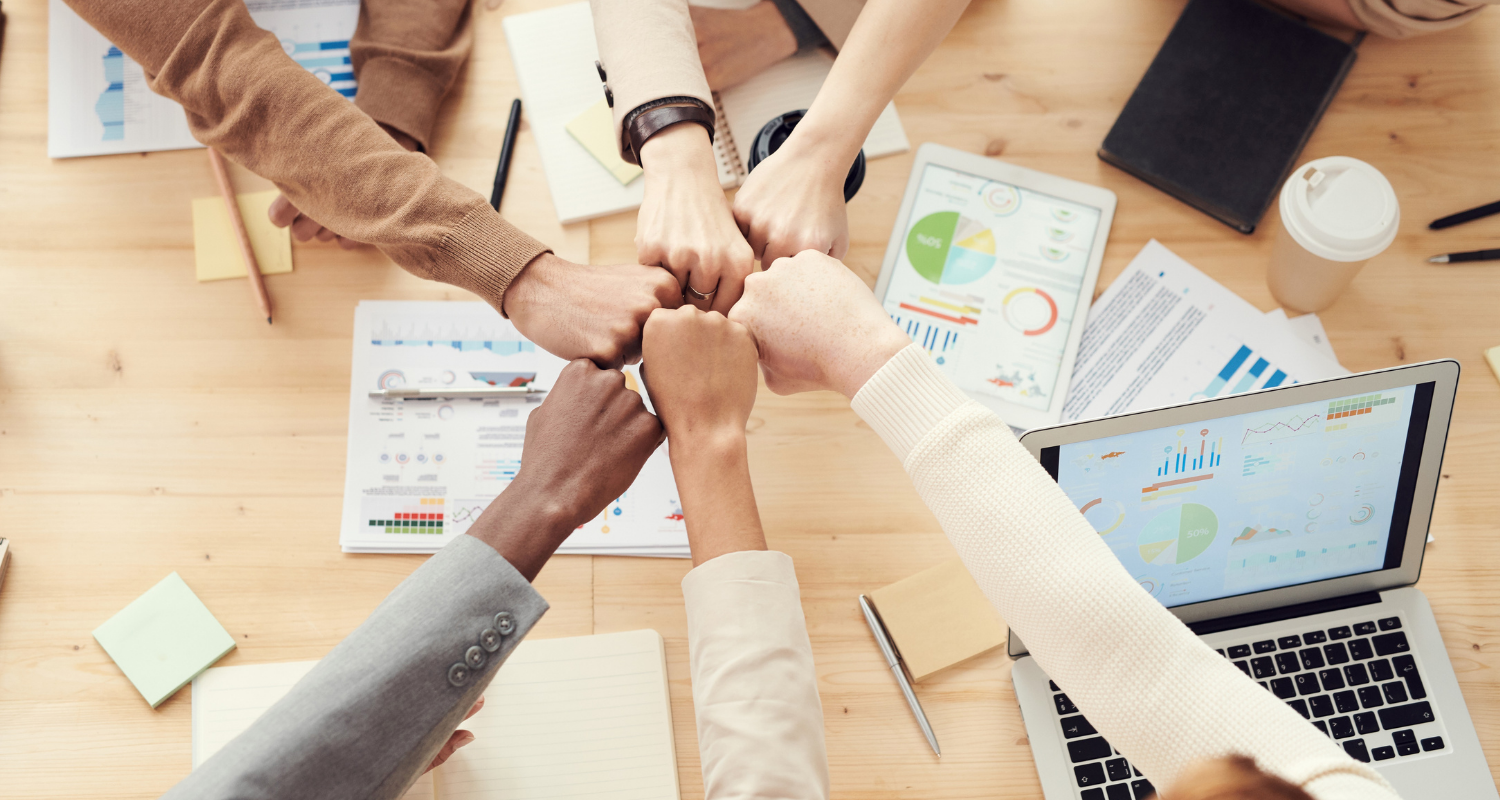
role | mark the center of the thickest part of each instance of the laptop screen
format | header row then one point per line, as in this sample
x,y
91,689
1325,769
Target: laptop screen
x,y
1257,501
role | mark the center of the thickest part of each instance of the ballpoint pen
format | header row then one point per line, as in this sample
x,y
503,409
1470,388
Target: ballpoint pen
x,y
1472,255
893,660
482,391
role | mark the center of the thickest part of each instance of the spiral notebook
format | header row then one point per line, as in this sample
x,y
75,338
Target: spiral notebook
x,y
554,53
574,717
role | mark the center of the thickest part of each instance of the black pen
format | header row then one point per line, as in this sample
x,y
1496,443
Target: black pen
x,y
506,149
1472,255
1465,216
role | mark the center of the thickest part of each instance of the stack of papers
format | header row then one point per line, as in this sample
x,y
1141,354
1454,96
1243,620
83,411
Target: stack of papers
x,y
1165,333
421,471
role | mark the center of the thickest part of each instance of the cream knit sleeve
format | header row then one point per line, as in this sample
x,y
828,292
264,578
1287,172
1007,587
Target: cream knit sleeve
x,y
1151,687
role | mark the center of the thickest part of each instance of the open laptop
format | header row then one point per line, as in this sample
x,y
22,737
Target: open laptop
x,y
1286,527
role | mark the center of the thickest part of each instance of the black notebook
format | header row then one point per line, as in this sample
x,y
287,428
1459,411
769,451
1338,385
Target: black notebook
x,y
1226,106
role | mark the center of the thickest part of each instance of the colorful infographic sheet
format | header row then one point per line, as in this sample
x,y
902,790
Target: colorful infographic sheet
x,y
987,280
420,472
1247,503
98,101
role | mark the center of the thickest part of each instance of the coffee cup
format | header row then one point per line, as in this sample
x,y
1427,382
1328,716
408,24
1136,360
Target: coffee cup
x,y
1336,214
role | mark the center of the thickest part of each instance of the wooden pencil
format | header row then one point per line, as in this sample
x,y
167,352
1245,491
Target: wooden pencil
x,y
252,267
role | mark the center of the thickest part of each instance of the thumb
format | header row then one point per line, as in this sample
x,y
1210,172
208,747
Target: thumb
x,y
456,741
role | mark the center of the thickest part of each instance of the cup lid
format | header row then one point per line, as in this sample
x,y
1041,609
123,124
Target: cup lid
x,y
1340,208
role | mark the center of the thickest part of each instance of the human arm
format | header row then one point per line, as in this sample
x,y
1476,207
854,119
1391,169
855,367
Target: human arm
x,y
1397,19
755,693
794,200
994,502
370,717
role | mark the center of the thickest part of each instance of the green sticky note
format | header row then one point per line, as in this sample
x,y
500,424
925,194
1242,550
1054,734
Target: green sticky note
x,y
164,639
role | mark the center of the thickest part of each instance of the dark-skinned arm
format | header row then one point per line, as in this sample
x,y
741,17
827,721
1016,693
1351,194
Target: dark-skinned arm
x,y
371,716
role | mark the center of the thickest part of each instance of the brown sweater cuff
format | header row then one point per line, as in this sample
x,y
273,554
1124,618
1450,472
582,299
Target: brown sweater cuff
x,y
484,253
401,95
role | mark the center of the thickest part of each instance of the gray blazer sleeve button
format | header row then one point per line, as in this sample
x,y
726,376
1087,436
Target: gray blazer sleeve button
x,y
474,657
505,623
458,675
489,639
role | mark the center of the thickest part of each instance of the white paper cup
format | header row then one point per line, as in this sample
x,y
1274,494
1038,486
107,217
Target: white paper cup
x,y
1336,214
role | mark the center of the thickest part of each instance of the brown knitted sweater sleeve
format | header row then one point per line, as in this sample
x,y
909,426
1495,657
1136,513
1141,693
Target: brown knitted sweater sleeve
x,y
406,55
247,98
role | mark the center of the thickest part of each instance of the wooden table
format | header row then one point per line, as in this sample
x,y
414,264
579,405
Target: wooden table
x,y
149,423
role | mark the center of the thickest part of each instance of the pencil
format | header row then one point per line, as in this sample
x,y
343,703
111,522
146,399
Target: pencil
x,y
507,147
252,267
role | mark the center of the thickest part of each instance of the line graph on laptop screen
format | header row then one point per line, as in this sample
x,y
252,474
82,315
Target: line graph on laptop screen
x,y
1250,502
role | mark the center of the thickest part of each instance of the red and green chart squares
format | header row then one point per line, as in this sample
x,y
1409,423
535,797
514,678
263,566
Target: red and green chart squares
x,y
948,248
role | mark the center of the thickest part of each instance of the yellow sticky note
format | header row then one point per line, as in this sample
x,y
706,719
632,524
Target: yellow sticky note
x,y
937,618
1492,355
217,251
595,130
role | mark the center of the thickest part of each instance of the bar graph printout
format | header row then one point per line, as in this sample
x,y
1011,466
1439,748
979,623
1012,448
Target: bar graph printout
x,y
421,471
98,101
1165,333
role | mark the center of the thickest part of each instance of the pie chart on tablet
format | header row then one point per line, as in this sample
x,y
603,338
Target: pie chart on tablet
x,y
949,248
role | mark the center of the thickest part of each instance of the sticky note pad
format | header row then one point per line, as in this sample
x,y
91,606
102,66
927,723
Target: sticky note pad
x,y
937,618
216,249
163,639
595,130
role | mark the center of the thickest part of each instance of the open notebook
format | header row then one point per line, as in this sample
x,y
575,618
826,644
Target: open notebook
x,y
554,53
588,715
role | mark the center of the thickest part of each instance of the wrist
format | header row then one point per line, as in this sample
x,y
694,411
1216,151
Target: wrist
x,y
882,345
680,149
525,527
518,296
825,149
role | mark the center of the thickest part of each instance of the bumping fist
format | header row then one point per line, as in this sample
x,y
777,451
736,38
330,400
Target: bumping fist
x,y
817,325
588,311
700,370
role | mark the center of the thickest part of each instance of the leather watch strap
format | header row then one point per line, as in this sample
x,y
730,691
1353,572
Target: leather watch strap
x,y
645,122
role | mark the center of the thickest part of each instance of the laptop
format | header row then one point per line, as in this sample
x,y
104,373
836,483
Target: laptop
x,y
1286,527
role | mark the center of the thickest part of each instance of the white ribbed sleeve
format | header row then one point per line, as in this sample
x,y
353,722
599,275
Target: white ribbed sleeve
x,y
1151,687
755,689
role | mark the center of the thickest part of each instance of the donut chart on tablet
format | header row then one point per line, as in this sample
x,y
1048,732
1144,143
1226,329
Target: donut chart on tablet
x,y
1029,310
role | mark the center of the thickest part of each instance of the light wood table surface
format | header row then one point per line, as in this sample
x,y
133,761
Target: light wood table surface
x,y
149,423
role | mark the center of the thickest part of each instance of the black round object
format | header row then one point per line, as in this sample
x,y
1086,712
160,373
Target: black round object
x,y
775,132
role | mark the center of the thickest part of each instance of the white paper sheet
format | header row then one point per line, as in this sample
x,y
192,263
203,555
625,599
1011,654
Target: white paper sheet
x,y
98,101
1165,333
1308,328
420,472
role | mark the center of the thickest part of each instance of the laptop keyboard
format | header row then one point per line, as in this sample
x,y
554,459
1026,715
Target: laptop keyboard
x,y
1359,684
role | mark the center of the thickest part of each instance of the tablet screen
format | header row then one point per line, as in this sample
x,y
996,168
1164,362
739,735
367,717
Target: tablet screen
x,y
987,280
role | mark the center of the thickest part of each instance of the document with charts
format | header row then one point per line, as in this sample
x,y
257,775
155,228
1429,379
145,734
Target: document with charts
x,y
420,471
98,101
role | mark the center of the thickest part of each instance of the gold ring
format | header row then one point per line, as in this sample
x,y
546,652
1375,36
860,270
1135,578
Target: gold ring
x,y
697,295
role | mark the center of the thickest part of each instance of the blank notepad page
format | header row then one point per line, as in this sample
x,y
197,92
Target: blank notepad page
x,y
572,718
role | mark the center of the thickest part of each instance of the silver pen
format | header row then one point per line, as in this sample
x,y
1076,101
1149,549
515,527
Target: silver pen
x,y
892,660
482,391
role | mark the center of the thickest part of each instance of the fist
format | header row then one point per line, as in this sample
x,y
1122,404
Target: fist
x,y
700,369
588,311
586,443
817,325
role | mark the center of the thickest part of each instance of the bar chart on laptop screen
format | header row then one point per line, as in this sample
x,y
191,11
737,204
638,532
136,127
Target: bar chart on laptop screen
x,y
1250,502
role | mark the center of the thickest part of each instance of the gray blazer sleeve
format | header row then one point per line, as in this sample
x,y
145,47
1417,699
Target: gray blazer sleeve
x,y
367,720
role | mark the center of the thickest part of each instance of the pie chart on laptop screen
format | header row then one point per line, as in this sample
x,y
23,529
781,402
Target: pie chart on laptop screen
x,y
1178,535
948,248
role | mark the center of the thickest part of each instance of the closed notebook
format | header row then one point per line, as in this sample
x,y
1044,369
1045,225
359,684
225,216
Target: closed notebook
x,y
554,53
587,716
1226,106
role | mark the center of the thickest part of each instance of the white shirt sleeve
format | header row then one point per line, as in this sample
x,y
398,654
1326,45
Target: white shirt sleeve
x,y
1151,687
755,688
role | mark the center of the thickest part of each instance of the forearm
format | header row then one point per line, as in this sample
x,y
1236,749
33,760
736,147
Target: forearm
x,y
718,502
244,96
525,526
406,55
996,503
370,716
890,39
755,686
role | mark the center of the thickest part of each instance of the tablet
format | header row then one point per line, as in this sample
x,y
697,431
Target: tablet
x,y
991,268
